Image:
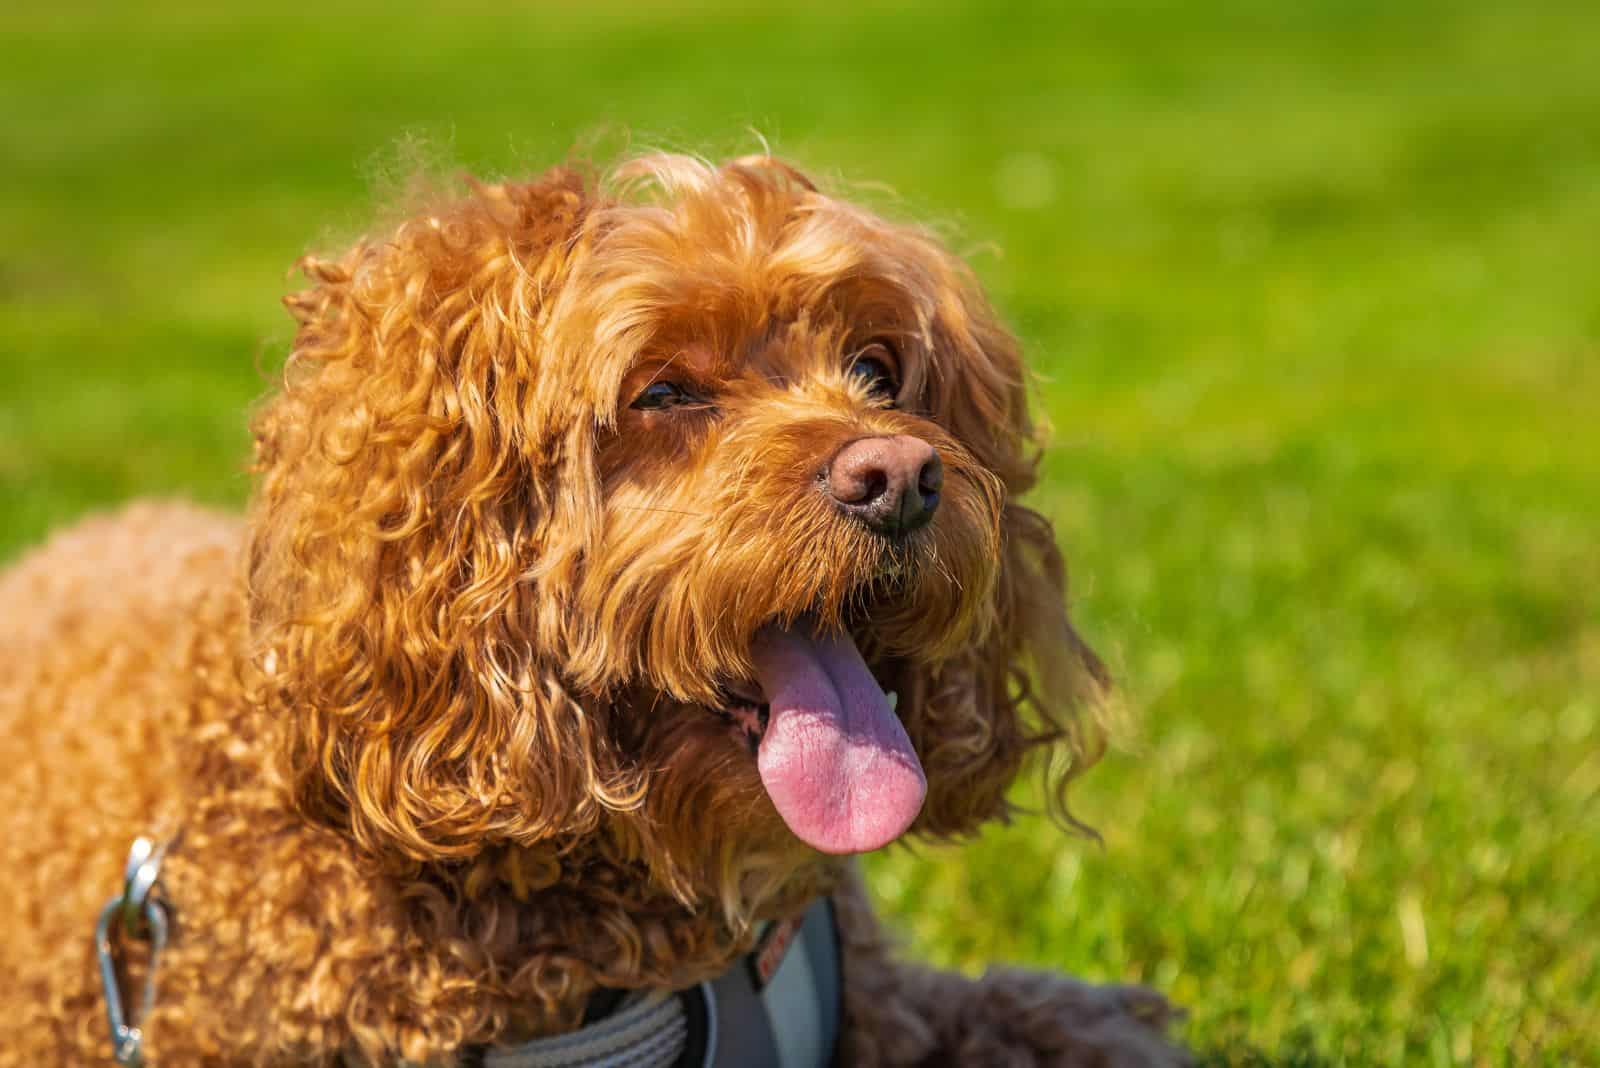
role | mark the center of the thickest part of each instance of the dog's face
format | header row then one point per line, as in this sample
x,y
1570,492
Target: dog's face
x,y
676,516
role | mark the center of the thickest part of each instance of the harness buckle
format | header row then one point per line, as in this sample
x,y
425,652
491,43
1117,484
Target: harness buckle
x,y
135,914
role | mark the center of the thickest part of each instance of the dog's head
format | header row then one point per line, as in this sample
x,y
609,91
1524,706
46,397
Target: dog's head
x,y
675,510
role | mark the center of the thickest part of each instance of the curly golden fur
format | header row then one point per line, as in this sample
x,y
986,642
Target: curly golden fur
x,y
430,729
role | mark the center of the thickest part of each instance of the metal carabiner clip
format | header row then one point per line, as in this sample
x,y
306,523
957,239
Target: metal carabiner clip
x,y
134,913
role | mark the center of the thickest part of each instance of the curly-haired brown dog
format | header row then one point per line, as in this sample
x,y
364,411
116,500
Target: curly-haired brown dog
x,y
593,521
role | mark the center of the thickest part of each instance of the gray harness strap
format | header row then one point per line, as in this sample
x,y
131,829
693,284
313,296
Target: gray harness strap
x,y
787,1014
649,1034
778,1007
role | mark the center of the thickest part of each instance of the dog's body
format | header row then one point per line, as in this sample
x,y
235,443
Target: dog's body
x,y
549,657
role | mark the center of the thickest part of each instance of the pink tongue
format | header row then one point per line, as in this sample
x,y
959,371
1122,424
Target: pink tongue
x,y
835,759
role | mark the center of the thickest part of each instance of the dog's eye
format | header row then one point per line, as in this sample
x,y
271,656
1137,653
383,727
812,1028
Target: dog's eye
x,y
875,367
661,394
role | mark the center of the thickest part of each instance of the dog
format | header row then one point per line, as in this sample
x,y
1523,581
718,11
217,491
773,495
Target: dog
x,y
626,552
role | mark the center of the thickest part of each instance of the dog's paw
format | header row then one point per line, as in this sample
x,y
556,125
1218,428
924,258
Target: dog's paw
x,y
1041,1019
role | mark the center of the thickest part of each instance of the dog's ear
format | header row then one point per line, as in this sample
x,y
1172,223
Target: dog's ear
x,y
1029,684
405,475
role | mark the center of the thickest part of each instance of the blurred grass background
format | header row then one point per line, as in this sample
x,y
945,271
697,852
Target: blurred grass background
x,y
1315,293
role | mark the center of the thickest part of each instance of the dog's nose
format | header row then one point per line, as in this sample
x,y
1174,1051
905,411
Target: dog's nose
x,y
889,483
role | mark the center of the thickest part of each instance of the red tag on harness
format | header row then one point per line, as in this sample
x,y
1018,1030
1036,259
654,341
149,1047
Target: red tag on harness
x,y
768,955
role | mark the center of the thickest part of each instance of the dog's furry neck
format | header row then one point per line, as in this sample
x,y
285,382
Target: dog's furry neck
x,y
377,952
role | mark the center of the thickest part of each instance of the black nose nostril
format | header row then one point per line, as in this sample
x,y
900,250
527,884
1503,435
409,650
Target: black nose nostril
x,y
874,485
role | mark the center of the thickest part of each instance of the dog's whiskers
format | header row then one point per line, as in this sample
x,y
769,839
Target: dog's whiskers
x,y
653,508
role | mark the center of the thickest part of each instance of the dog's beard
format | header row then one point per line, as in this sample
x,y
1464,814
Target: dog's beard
x,y
810,721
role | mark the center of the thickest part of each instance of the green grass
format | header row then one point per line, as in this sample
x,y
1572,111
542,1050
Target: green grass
x,y
1315,293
